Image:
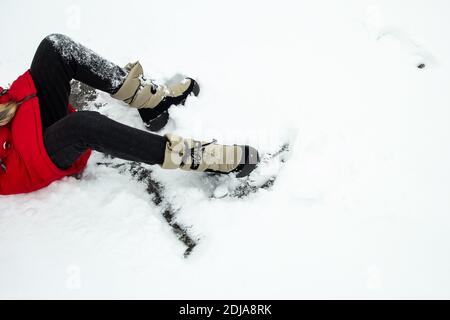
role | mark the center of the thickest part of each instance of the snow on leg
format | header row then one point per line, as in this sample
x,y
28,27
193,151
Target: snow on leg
x,y
87,66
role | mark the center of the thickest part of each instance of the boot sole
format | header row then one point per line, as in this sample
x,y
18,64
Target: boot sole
x,y
193,88
250,163
156,118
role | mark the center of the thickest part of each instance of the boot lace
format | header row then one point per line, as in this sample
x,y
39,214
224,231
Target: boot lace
x,y
196,153
148,82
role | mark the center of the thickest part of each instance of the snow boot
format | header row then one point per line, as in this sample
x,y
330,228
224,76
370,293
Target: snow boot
x,y
153,100
189,154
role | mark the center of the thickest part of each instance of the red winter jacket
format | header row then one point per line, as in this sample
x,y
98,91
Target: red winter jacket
x,y
25,164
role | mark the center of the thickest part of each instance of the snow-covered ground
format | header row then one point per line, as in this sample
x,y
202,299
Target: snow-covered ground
x,y
361,209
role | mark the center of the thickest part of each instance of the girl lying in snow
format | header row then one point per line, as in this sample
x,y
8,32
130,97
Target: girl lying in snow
x,y
43,139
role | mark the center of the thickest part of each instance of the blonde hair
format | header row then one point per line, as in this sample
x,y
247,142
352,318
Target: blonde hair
x,y
7,112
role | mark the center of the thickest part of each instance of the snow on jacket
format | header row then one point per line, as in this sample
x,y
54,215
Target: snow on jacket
x,y
25,163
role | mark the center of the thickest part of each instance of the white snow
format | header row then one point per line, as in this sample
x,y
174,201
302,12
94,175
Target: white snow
x,y
361,209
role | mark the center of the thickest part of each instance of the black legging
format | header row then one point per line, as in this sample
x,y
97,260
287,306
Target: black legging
x,y
57,61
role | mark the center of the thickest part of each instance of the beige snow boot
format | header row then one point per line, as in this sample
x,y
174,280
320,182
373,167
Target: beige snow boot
x,y
189,154
153,100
